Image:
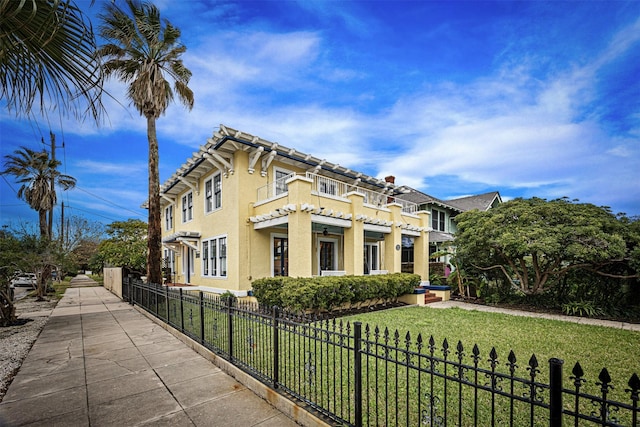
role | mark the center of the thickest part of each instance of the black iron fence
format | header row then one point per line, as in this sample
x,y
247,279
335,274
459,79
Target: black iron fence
x,y
357,376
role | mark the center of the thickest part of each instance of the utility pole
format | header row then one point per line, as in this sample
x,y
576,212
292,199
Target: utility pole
x,y
53,180
62,226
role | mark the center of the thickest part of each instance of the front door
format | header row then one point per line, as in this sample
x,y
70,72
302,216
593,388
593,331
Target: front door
x,y
328,255
280,256
370,257
188,264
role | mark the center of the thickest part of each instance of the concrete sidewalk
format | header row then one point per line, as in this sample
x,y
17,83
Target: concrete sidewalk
x,y
100,362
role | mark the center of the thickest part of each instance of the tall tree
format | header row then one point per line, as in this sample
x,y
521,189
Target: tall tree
x,y
142,51
125,247
534,242
38,175
46,55
36,171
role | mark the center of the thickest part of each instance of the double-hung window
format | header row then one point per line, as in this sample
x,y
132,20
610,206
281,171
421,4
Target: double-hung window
x,y
281,177
187,207
437,220
168,217
213,193
214,253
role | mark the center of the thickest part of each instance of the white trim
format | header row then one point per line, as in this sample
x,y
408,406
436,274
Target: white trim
x,y
327,220
377,228
271,222
188,243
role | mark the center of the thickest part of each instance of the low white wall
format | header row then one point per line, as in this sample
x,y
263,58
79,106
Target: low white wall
x,y
113,280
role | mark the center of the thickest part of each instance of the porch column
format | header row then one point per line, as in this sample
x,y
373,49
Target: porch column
x,y
300,242
393,241
421,248
354,238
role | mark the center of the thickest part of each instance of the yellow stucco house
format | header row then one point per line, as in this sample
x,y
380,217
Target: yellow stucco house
x,y
242,208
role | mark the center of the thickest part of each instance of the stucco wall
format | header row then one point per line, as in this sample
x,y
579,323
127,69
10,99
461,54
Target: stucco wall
x,y
113,280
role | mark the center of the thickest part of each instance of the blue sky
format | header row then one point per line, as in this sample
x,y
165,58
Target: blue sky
x,y
453,98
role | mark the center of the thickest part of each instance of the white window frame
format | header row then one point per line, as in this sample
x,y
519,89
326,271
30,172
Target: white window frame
x,y
168,217
440,217
282,188
213,196
187,207
215,265
375,260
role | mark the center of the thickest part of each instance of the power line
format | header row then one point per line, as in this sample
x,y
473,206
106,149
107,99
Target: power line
x,y
108,201
9,184
89,212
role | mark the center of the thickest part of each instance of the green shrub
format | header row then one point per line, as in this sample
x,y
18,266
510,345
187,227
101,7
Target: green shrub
x,y
581,308
329,293
268,290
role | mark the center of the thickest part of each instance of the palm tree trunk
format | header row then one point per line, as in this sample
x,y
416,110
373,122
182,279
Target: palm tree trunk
x,y
42,220
154,233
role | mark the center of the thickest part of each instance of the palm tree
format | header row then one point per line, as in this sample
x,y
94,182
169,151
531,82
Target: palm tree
x,y
141,50
46,54
38,175
35,171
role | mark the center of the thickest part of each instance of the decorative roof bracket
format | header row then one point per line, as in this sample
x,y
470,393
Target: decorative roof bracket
x,y
194,186
253,159
267,161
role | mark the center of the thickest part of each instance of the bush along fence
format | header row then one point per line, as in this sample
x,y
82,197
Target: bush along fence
x,y
360,376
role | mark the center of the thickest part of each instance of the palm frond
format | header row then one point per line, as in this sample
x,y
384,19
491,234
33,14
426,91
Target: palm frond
x,y
46,56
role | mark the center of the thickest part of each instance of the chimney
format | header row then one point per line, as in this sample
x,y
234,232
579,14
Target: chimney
x,y
391,179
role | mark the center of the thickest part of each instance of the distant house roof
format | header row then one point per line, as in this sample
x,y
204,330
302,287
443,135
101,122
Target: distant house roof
x,y
421,198
482,202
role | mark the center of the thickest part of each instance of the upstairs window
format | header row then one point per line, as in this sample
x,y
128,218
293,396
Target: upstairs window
x,y
187,207
213,193
281,177
437,220
168,217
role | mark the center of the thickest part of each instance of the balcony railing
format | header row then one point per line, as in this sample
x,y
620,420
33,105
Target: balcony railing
x,y
274,189
330,187
334,188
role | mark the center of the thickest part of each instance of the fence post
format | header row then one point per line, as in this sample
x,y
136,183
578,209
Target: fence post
x,y
201,317
156,291
181,313
166,303
555,392
230,329
276,349
357,376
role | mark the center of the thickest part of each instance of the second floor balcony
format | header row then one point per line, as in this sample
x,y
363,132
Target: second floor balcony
x,y
323,186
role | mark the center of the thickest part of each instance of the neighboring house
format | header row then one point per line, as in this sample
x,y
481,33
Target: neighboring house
x,y
242,208
443,213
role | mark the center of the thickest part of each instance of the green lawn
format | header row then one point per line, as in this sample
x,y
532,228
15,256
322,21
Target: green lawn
x,y
315,364
595,347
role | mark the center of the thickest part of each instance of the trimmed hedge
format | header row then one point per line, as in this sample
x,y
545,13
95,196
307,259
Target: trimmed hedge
x,y
330,292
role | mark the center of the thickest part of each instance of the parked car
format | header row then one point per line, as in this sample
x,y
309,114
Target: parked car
x,y
25,279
